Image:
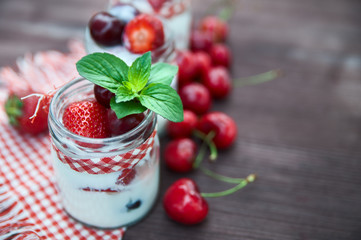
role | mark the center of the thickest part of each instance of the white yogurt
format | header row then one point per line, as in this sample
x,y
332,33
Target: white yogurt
x,y
124,207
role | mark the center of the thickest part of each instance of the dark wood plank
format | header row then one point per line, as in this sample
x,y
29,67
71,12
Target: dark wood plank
x,y
301,133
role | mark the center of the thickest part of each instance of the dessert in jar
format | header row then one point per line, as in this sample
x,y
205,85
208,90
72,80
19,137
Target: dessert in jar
x,y
176,13
128,36
103,182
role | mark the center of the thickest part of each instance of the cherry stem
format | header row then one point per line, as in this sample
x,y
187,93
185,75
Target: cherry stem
x,y
200,156
220,177
250,178
208,139
257,79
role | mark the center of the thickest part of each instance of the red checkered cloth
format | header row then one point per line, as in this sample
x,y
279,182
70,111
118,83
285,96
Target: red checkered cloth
x,y
30,206
108,164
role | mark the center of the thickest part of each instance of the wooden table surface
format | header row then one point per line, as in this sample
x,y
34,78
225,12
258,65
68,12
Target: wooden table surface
x,y
301,133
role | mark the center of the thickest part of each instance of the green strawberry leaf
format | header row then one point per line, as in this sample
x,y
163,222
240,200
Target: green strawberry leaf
x,y
123,109
162,73
163,100
139,72
103,69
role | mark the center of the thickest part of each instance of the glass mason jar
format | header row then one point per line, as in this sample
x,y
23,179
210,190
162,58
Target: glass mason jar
x,y
177,15
165,53
103,182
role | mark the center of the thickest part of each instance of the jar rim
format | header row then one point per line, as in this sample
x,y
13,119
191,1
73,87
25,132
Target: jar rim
x,y
54,119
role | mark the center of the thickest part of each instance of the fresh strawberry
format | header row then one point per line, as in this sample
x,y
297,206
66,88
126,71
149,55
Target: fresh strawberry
x,y
87,118
108,190
144,33
126,176
29,115
157,4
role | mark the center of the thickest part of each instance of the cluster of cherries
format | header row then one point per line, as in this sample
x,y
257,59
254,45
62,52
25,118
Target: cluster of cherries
x,y
203,77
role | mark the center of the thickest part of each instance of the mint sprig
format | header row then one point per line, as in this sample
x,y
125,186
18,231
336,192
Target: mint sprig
x,y
138,87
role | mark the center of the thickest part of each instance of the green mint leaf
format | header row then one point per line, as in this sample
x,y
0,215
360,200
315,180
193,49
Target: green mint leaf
x,y
103,69
124,94
163,100
162,73
139,72
124,109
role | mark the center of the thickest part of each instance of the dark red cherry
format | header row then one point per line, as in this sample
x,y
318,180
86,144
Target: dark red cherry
x,y
187,67
224,127
203,63
105,29
221,55
123,125
179,155
103,95
218,82
195,97
184,128
183,202
200,41
216,27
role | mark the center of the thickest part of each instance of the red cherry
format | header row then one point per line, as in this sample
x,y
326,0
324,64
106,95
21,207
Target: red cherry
x,y
187,67
218,82
196,97
184,128
106,29
221,55
223,125
103,95
180,154
184,204
200,41
123,125
216,27
203,63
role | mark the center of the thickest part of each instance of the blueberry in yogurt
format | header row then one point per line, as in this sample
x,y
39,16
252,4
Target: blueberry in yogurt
x,y
133,205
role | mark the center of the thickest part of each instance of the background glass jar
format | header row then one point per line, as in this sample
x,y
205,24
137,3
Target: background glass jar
x,y
165,53
104,182
176,13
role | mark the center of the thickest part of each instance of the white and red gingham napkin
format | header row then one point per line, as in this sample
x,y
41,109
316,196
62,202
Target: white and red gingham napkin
x,y
30,207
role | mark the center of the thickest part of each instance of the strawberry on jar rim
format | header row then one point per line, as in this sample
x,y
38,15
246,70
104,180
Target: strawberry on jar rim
x,y
144,33
87,118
